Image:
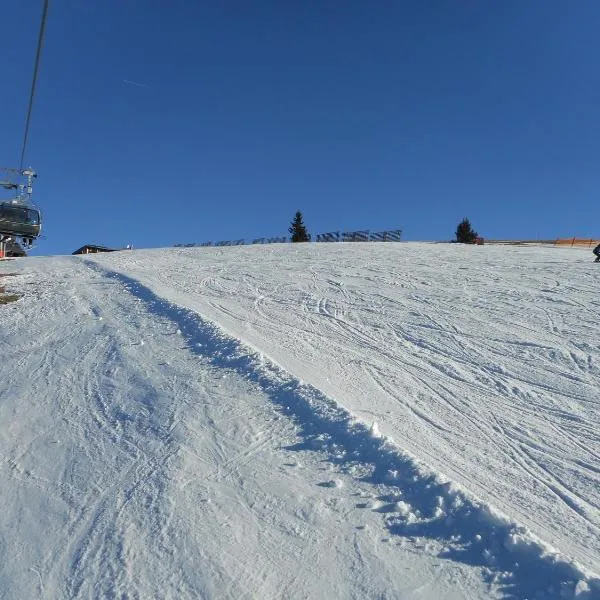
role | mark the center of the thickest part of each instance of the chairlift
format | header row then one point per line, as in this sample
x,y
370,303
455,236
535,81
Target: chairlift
x,y
19,218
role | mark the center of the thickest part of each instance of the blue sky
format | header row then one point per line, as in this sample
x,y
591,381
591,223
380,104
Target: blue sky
x,y
158,123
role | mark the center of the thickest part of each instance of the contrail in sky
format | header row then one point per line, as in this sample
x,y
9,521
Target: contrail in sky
x,y
130,82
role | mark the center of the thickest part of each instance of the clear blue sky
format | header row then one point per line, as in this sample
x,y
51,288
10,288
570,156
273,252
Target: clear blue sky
x,y
163,122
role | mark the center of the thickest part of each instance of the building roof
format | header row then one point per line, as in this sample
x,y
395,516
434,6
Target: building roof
x,y
92,248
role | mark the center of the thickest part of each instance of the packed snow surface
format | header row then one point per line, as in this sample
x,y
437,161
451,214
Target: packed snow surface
x,y
377,420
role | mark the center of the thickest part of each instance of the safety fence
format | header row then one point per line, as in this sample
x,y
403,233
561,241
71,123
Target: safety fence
x,y
364,235
579,242
360,236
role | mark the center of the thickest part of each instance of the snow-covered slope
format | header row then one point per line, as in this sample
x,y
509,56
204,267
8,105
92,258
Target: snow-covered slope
x,y
345,420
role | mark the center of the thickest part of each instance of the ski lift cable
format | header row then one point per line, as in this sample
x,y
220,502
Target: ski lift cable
x,y
34,81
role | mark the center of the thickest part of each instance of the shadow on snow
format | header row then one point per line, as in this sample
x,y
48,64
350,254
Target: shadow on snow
x,y
415,502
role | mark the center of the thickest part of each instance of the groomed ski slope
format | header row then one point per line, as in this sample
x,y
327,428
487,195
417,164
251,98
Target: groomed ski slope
x,y
344,420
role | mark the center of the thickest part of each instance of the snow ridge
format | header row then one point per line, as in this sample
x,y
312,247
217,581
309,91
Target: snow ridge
x,y
415,502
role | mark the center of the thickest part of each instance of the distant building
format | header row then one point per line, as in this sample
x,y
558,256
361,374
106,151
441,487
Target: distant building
x,y
92,249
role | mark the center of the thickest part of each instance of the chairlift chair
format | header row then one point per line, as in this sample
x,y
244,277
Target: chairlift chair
x,y
19,218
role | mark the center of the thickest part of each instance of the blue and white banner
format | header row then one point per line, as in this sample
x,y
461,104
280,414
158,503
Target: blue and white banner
x,y
333,236
355,236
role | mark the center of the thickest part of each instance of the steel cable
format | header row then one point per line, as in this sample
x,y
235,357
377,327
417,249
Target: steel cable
x,y
33,82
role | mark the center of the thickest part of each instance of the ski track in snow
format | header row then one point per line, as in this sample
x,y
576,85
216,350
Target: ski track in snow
x,y
135,466
479,377
499,354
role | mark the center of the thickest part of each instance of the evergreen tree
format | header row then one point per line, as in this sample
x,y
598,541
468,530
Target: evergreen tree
x,y
465,233
298,229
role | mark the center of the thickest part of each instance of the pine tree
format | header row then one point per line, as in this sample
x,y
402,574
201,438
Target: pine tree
x,y
465,233
298,229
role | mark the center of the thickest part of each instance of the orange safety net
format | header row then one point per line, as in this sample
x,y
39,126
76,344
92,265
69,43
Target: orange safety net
x,y
585,242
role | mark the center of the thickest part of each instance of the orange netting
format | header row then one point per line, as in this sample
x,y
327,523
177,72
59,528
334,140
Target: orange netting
x,y
585,242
